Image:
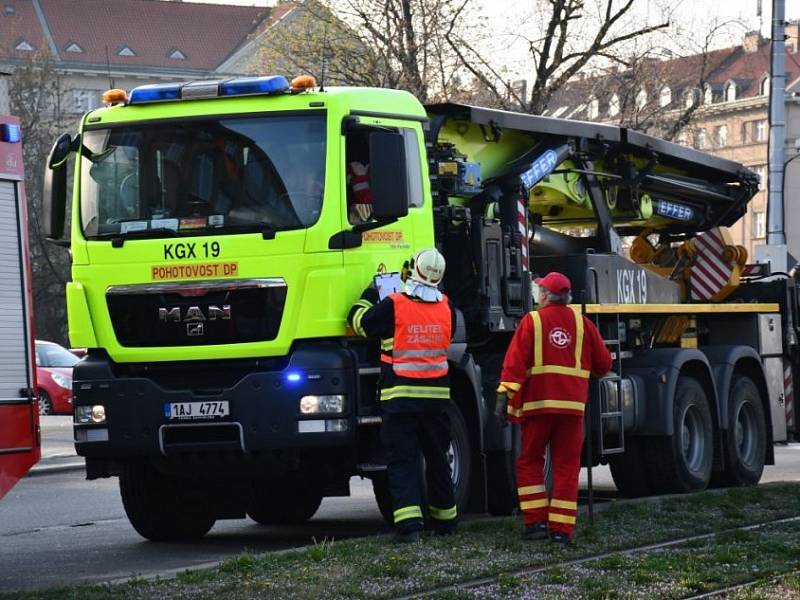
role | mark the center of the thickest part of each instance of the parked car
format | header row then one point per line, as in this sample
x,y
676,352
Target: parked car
x,y
54,378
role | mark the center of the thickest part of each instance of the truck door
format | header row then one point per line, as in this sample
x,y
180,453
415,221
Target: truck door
x,y
388,247
19,416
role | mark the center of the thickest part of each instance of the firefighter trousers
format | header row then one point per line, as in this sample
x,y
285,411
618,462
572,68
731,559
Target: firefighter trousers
x,y
403,436
564,433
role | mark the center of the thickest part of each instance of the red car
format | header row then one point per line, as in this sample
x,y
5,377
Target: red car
x,y
54,378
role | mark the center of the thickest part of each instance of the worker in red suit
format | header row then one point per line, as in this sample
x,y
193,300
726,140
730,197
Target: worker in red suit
x,y
544,386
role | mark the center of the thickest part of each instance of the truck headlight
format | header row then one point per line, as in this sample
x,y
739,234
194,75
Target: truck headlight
x,y
312,405
62,381
90,414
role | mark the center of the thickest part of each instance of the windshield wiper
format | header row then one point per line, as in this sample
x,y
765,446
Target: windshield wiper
x,y
118,238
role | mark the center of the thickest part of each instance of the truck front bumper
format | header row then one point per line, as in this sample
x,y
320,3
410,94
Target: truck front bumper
x,y
263,405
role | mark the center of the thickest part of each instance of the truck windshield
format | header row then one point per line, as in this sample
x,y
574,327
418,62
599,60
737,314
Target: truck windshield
x,y
227,175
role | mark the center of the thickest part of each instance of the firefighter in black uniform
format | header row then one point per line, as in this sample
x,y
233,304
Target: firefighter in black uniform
x,y
415,328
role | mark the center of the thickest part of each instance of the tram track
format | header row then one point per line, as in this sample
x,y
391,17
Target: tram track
x,y
530,571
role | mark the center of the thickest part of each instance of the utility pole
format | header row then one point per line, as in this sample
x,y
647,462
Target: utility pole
x,y
775,250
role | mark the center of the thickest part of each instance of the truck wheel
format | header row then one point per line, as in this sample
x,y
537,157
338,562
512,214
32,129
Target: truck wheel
x,y
273,506
383,496
682,462
501,476
629,470
745,442
459,456
162,508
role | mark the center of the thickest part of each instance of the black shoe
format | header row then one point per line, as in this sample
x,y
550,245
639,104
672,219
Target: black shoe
x,y
536,531
408,537
561,538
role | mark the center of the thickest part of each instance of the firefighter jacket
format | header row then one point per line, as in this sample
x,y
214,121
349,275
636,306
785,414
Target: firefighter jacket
x,y
414,338
548,363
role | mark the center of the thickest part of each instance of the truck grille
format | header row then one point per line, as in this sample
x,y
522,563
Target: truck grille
x,y
197,314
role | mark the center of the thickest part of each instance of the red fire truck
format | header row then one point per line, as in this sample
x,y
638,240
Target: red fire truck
x,y
20,439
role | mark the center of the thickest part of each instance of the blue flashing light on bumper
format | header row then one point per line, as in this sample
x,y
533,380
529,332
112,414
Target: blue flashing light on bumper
x,y
293,377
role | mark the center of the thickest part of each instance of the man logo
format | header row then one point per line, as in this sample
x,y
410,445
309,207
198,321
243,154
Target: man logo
x,y
560,338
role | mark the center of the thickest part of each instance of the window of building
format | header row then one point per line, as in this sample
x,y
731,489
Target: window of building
x,y
641,98
613,106
759,224
664,96
708,95
754,131
721,136
73,47
761,171
730,92
760,134
764,87
700,140
85,100
125,51
23,46
176,54
594,108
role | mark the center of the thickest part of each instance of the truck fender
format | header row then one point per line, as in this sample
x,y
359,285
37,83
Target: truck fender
x,y
658,371
726,361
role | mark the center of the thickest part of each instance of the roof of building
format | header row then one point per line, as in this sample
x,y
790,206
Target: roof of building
x,y
128,33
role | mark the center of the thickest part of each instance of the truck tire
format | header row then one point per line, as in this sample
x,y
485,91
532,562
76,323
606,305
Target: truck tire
x,y
272,505
682,462
162,508
501,476
745,443
459,455
629,470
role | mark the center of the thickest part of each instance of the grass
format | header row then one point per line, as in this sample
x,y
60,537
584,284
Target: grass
x,y
375,568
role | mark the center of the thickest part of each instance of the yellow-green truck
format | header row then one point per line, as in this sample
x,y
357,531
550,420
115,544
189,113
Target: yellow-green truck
x,y
216,252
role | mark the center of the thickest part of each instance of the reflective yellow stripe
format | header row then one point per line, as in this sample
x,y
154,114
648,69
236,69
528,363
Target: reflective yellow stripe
x,y
576,310
564,504
407,512
387,344
415,391
530,489
561,518
357,321
568,404
515,412
506,386
444,514
558,370
537,339
529,504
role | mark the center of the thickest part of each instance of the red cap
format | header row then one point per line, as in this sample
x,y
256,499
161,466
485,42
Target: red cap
x,y
555,283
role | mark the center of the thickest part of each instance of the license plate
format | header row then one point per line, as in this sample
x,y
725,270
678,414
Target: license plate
x,y
196,410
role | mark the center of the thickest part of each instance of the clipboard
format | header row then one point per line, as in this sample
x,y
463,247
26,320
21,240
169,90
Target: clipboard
x,y
387,284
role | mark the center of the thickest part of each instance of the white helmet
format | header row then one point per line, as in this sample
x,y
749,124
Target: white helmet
x,y
427,267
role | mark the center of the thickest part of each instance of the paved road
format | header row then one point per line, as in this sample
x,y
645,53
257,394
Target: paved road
x,y
58,528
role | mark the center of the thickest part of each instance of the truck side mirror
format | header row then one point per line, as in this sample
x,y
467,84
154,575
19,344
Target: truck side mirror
x,y
387,175
54,194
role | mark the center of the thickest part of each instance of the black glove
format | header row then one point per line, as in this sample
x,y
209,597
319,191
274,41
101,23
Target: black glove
x,y
501,407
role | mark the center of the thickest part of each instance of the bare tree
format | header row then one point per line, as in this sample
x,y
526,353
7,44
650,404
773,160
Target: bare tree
x,y
574,33
382,43
36,97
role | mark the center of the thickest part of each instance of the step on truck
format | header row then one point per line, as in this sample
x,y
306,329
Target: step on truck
x,y
216,252
20,436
